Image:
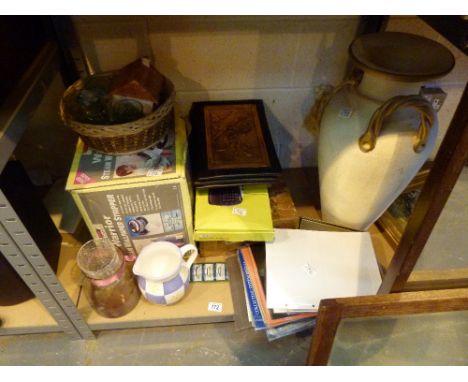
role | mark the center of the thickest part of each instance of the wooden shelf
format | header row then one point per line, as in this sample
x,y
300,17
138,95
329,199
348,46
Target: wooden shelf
x,y
68,271
25,318
192,309
32,317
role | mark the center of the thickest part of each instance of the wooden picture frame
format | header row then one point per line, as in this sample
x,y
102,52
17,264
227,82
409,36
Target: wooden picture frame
x,y
395,219
333,311
447,166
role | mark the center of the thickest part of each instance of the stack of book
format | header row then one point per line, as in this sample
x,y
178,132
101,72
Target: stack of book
x,y
285,280
261,317
233,163
231,145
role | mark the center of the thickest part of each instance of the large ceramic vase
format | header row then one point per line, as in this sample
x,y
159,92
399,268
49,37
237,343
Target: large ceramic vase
x,y
375,136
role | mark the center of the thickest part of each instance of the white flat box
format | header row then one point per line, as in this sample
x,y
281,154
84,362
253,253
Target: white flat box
x,y
304,267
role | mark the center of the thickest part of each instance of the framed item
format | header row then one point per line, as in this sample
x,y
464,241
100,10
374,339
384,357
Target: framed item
x,y
223,125
393,221
441,179
319,225
230,144
411,328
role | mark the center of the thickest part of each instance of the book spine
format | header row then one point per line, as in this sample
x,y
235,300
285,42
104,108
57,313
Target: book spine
x,y
259,323
290,328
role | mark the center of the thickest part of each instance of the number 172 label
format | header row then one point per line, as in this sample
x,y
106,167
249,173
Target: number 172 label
x,y
215,307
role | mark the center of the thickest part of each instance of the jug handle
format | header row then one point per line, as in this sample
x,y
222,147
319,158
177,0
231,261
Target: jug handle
x,y
187,248
427,116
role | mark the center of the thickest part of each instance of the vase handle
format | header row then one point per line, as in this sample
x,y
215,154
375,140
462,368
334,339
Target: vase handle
x,y
368,140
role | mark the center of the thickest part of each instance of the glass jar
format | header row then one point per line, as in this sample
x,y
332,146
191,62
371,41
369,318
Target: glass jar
x,y
109,284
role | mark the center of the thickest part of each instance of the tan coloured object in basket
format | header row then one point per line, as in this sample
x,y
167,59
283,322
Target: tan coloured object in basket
x,y
124,138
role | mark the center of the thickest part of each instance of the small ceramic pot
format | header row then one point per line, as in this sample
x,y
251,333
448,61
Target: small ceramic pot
x,y
162,273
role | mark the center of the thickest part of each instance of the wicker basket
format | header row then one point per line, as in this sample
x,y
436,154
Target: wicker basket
x,y
125,138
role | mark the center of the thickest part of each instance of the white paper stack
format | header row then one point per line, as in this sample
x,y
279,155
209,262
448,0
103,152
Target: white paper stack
x,y
304,267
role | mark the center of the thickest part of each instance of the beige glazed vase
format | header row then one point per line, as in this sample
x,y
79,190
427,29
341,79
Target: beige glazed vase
x,y
376,135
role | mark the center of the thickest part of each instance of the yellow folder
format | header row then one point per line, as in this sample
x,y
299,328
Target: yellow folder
x,y
249,220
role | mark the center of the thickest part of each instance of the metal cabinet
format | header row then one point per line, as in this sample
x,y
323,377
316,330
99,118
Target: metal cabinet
x,y
16,243
24,255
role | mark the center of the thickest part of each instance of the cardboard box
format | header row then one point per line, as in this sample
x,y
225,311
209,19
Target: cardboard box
x,y
218,248
135,199
283,210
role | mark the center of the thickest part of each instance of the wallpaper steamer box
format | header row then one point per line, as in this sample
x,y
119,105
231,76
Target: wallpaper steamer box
x,y
135,199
